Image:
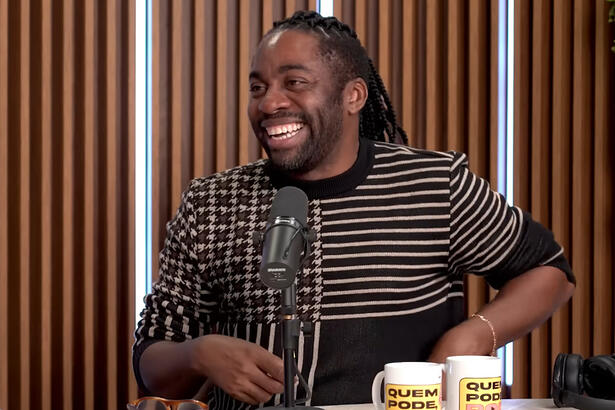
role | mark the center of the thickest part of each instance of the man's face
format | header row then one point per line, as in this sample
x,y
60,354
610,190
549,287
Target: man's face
x,y
295,106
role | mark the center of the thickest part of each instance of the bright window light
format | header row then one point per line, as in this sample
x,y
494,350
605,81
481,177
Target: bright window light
x,y
325,7
509,6
510,145
143,185
510,71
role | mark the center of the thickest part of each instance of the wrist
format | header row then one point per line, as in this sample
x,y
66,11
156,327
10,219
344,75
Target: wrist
x,y
478,336
487,322
472,337
195,354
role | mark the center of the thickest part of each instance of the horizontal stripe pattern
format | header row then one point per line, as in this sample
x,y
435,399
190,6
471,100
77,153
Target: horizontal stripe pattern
x,y
392,243
387,242
484,229
396,244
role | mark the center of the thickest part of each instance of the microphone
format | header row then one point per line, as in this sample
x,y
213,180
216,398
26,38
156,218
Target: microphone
x,y
286,238
286,245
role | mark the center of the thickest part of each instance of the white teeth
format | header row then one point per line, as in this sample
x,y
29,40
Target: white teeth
x,y
284,131
284,136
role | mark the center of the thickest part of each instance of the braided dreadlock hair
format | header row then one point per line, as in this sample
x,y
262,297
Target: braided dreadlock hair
x,y
340,45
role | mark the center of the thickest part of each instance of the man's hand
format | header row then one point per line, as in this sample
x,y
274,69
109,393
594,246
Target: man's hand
x,y
522,304
244,370
472,337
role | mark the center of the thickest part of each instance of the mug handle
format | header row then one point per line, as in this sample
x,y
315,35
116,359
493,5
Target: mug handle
x,y
376,390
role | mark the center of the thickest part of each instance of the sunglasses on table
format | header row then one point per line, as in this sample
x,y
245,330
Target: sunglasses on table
x,y
158,403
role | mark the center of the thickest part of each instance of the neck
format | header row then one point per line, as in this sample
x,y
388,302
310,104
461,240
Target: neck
x,y
328,187
340,160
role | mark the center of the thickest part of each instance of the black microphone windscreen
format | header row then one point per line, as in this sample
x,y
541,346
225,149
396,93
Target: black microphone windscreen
x,y
290,202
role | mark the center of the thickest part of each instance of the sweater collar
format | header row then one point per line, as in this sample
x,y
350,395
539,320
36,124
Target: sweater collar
x,y
333,186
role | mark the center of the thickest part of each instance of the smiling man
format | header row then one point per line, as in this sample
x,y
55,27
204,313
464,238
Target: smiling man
x,y
396,230
304,117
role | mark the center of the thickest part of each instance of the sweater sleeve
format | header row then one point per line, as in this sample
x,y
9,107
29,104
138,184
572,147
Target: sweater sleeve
x,y
490,238
179,305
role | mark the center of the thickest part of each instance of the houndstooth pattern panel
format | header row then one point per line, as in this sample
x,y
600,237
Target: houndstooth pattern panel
x,y
229,208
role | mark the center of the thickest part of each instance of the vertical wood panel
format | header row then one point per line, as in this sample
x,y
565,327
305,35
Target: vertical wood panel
x,y
46,211
255,28
540,176
68,201
397,51
337,9
231,62
177,100
410,81
434,78
478,59
348,11
90,209
199,88
157,131
64,169
244,70
456,115
127,243
604,223
112,222
582,176
4,203
419,60
384,42
221,96
360,19
521,115
267,16
561,169
478,121
493,105
25,206
289,8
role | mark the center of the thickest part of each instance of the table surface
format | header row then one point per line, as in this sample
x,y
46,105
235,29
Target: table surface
x,y
508,404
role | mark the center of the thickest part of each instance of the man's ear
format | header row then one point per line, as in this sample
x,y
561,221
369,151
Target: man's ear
x,y
355,95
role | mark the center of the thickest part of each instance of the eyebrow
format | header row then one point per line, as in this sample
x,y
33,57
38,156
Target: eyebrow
x,y
282,69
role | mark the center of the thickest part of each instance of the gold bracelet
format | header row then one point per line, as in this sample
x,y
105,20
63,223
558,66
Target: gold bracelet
x,y
488,322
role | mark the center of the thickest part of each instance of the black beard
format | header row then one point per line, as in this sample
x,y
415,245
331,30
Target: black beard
x,y
312,152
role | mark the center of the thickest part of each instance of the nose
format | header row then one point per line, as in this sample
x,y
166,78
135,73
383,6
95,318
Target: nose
x,y
273,101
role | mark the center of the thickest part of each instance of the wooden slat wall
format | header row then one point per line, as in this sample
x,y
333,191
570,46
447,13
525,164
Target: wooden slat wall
x,y
199,100
4,182
201,59
66,204
564,151
438,59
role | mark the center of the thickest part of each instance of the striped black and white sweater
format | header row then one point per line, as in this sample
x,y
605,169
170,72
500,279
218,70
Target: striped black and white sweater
x,y
395,235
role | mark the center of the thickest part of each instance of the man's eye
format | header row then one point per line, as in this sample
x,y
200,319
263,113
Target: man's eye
x,y
295,83
256,88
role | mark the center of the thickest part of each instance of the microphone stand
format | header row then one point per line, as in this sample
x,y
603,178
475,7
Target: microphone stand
x,y
291,326
290,342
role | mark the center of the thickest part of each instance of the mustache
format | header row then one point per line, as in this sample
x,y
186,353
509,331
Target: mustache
x,y
287,114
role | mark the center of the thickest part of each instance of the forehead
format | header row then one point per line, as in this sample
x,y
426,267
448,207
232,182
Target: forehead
x,y
288,47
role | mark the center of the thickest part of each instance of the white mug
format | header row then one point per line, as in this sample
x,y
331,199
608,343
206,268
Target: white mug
x,y
409,385
473,382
